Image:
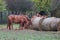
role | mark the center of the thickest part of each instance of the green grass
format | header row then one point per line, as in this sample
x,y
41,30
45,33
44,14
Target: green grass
x,y
15,26
27,35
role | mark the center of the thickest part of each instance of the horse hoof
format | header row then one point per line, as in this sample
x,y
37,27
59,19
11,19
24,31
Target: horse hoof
x,y
21,28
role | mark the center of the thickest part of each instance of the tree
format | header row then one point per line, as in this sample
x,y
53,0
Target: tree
x,y
55,8
19,5
2,8
42,5
2,5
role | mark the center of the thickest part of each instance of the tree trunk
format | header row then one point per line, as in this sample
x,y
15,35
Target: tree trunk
x,y
1,17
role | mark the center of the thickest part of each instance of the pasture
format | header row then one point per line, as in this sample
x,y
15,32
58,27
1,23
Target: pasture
x,y
26,34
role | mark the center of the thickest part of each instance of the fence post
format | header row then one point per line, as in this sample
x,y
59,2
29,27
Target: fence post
x,y
1,17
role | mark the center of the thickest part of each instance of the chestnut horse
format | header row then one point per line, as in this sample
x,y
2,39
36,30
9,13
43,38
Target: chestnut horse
x,y
23,20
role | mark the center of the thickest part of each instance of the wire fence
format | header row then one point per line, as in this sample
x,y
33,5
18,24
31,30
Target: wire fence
x,y
4,16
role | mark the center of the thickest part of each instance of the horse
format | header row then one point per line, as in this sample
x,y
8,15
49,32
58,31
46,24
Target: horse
x,y
23,20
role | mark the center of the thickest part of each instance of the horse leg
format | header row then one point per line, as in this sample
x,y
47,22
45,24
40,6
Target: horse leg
x,y
9,26
21,26
25,26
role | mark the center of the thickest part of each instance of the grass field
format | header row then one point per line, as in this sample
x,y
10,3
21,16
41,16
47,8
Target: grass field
x,y
27,34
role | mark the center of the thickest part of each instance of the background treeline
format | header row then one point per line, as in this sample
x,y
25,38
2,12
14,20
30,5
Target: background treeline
x,y
29,7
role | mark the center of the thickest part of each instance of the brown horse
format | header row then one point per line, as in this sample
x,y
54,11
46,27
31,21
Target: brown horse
x,y
23,20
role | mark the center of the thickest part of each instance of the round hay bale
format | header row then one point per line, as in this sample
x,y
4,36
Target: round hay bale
x,y
47,24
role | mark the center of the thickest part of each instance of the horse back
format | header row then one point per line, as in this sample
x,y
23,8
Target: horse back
x,y
18,18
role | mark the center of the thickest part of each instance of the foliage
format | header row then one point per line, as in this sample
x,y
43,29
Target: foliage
x,y
19,5
42,5
2,5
